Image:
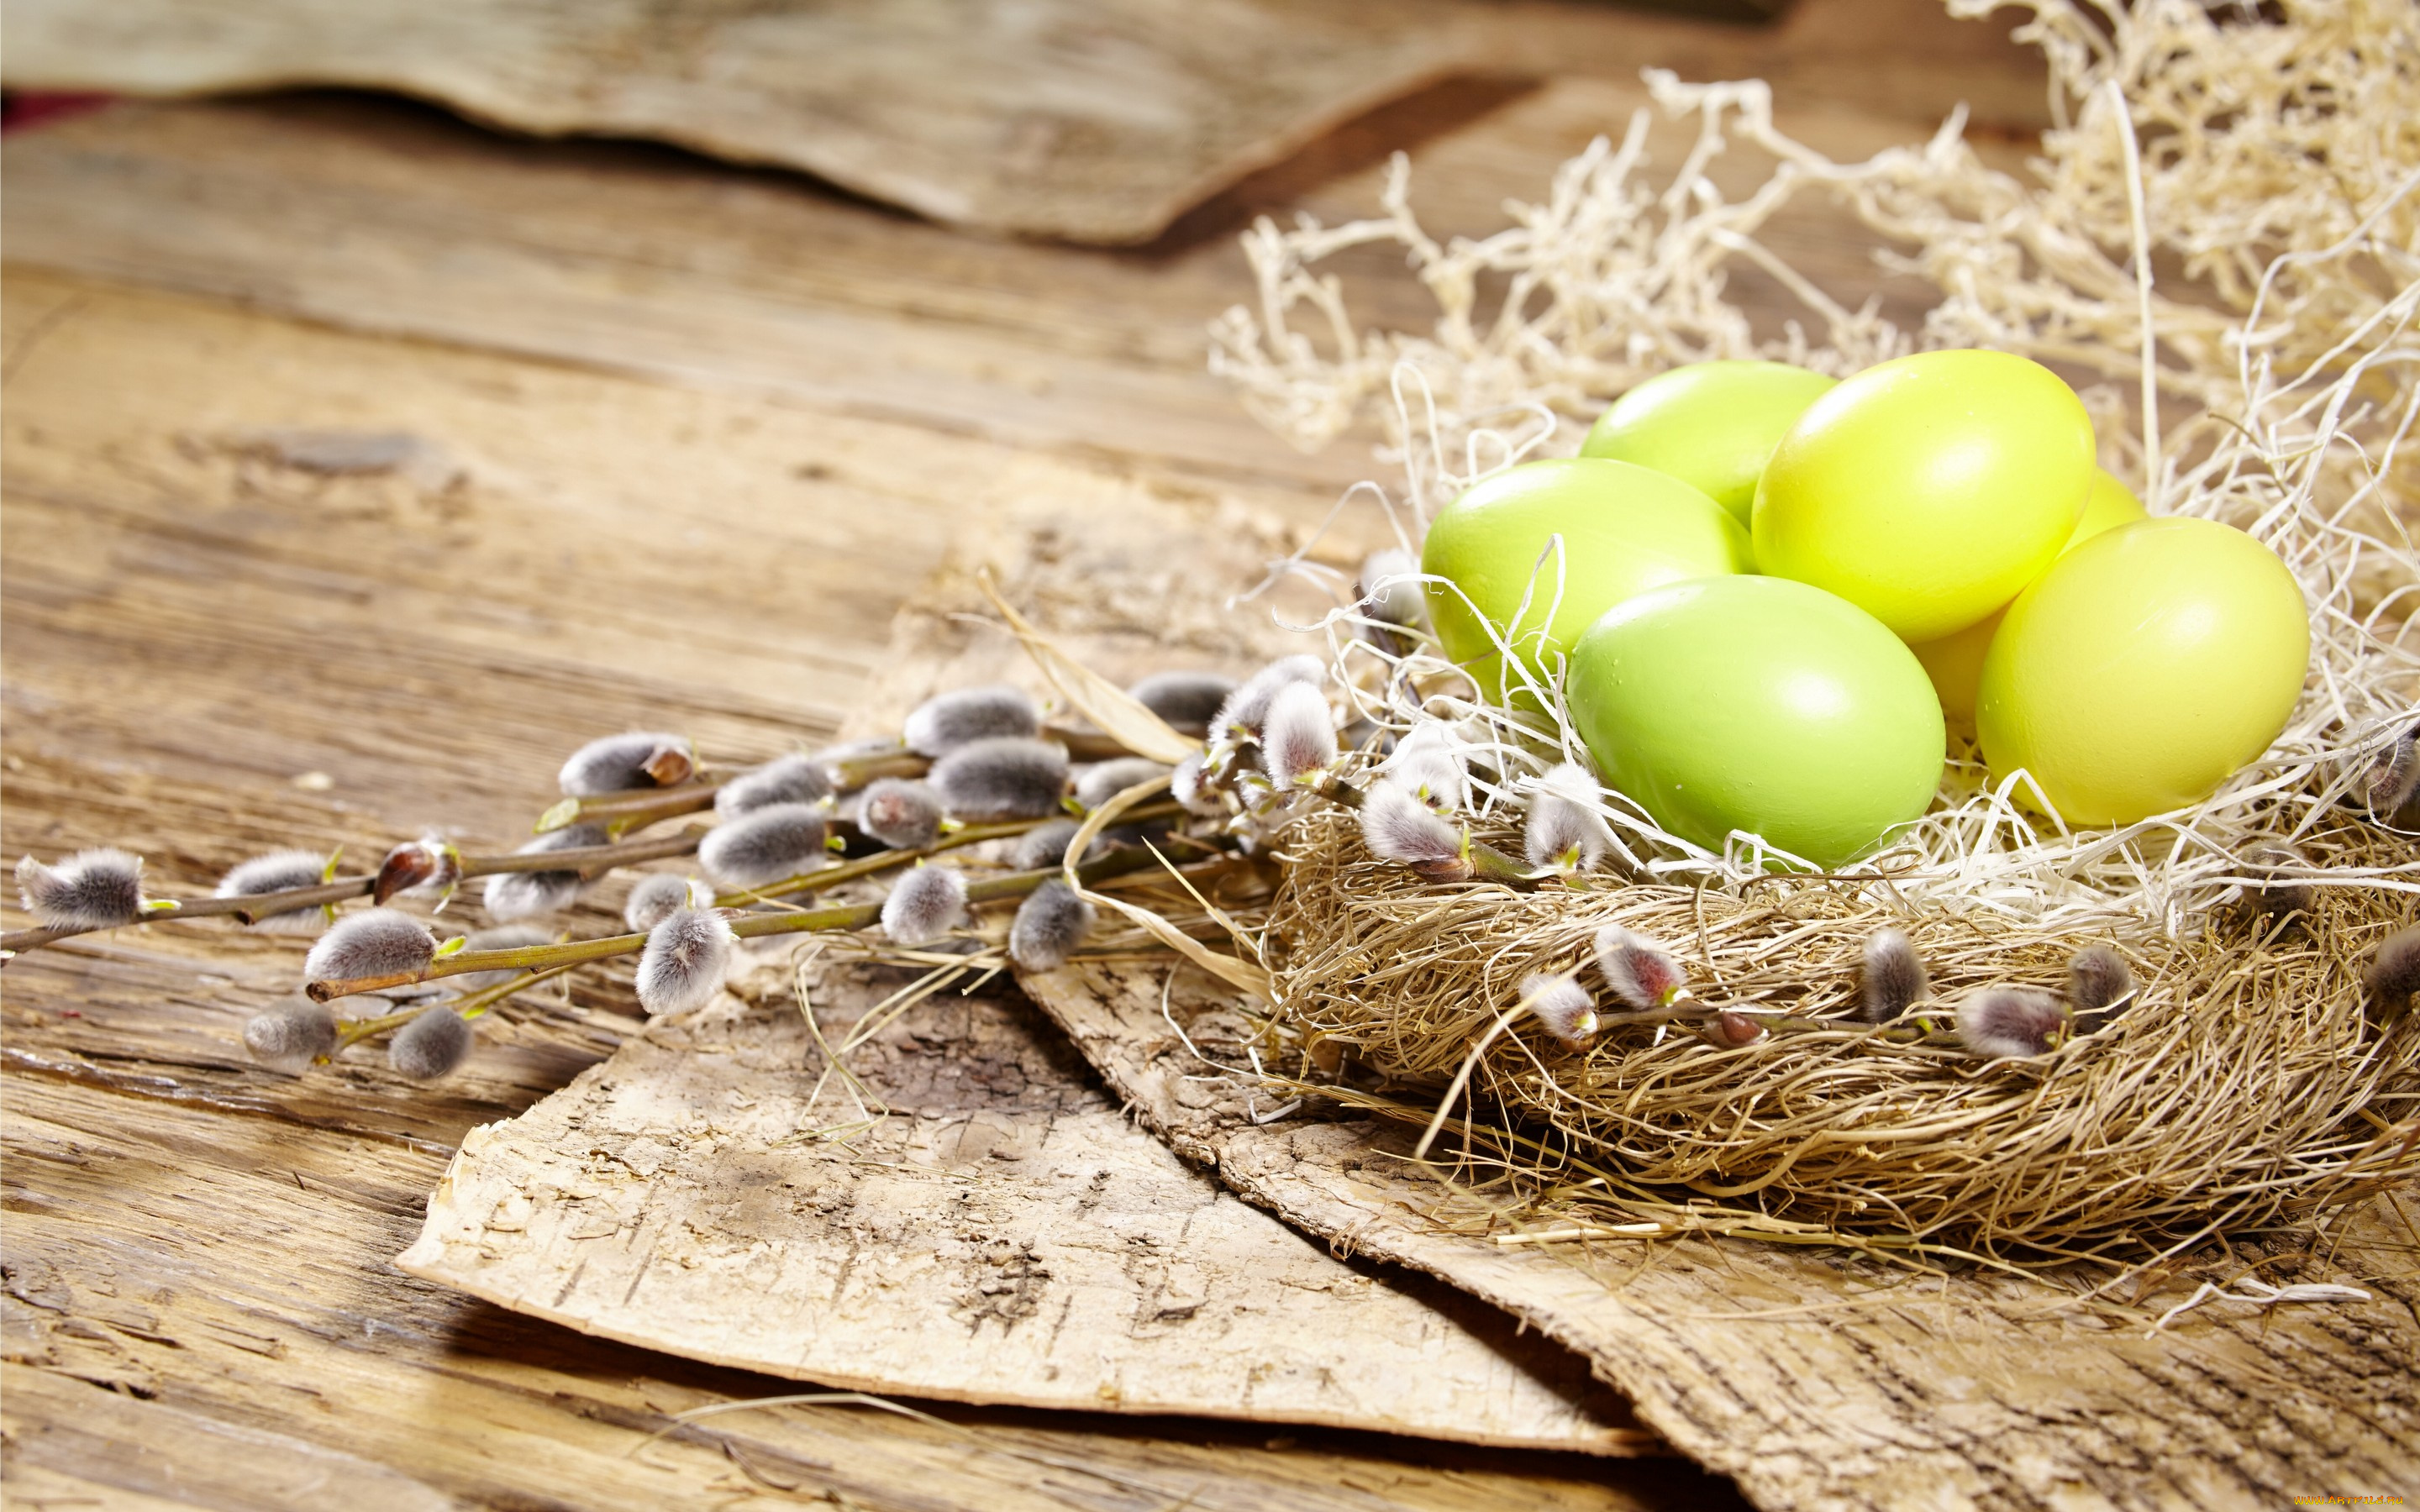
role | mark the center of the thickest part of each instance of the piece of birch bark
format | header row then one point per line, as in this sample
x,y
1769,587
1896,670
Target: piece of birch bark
x,y
1094,120
1006,1235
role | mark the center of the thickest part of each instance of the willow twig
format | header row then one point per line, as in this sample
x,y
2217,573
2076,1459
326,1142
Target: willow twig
x,y
251,908
751,926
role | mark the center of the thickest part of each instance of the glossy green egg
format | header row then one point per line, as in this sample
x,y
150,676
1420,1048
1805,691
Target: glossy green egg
x,y
1763,705
1624,528
1710,424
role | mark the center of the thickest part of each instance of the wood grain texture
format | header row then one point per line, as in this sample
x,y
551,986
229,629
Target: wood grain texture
x,y
1004,1236
369,216
1095,120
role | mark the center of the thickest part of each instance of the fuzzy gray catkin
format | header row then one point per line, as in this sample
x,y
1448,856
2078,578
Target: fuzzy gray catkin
x,y
657,894
1187,785
2394,776
1562,1006
617,763
1390,588
1049,925
1185,701
2278,891
924,905
769,845
2011,1022
1101,781
2097,978
502,937
901,815
1299,736
375,942
1640,972
1240,718
1397,826
278,871
2393,973
1044,846
290,1039
1894,979
946,721
684,961
432,1046
785,779
98,889
1003,778
1563,828
1429,766
511,895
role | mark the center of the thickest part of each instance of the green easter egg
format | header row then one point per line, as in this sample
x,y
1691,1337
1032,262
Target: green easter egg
x,y
1710,424
1763,705
1624,528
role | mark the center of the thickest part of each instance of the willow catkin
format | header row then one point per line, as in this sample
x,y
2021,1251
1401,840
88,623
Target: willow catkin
x,y
765,845
290,1039
785,779
511,895
617,763
1186,702
434,1044
683,964
1049,925
375,942
2010,1021
902,814
98,888
1006,776
278,871
946,721
924,905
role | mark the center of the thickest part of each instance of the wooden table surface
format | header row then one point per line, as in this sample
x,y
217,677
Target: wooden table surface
x,y
688,436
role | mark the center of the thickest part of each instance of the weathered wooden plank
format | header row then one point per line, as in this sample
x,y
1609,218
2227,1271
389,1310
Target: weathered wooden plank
x,y
1094,121
371,216
223,1272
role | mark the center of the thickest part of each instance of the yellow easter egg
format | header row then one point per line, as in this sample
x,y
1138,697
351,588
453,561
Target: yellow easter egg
x,y
1954,662
2144,668
1929,490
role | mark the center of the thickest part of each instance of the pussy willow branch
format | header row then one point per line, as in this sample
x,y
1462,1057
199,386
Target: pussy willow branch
x,y
254,907
848,917
353,1031
642,806
882,861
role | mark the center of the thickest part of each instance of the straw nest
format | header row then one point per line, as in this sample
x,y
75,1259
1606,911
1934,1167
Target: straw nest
x,y
2244,1087
2275,388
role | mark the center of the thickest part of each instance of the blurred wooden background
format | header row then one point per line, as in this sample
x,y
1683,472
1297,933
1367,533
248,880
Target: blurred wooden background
x,y
686,435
